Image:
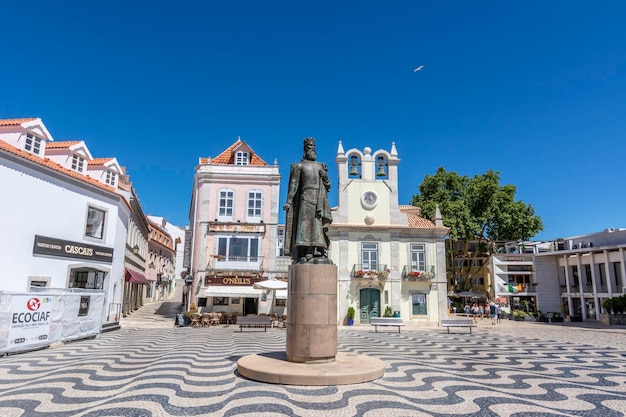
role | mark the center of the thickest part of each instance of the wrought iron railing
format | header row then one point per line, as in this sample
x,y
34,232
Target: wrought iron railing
x,y
370,271
417,273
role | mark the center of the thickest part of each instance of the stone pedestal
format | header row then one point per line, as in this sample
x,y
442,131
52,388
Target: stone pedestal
x,y
312,313
311,357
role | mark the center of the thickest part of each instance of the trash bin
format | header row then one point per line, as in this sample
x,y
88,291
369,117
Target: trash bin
x,y
396,314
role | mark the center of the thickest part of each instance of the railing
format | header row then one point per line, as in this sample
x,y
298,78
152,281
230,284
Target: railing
x,y
240,263
413,273
369,271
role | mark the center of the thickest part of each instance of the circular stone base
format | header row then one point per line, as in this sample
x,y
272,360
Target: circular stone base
x,y
347,368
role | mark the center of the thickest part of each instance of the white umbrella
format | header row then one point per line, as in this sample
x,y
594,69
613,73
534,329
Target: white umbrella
x,y
273,285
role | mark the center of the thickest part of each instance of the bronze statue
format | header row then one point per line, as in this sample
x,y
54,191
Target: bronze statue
x,y
308,211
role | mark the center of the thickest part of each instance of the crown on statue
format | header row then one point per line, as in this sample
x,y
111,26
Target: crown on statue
x,y
309,142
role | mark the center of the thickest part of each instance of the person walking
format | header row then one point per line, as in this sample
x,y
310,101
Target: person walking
x,y
493,313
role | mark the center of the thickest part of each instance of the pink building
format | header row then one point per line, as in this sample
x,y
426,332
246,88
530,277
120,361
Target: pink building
x,y
234,216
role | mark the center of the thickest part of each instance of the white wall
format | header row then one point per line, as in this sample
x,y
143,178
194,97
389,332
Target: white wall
x,y
44,203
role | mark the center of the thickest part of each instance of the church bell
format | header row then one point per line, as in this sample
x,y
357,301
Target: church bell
x,y
380,161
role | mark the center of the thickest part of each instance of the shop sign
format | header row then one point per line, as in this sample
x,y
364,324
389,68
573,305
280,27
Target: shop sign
x,y
236,228
247,281
67,249
30,320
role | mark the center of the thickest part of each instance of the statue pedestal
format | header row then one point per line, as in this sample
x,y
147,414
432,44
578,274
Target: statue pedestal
x,y
312,313
311,356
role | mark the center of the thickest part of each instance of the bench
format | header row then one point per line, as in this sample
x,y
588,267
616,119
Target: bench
x,y
253,321
458,323
386,321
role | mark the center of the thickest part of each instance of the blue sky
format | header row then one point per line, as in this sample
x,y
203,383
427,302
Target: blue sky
x,y
534,90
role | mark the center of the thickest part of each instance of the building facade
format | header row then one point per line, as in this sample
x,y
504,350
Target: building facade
x,y
65,223
388,257
234,222
161,262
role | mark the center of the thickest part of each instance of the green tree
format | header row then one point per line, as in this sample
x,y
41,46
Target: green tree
x,y
476,209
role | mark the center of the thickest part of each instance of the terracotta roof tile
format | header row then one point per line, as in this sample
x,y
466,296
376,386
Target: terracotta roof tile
x,y
16,122
53,165
61,145
99,161
227,157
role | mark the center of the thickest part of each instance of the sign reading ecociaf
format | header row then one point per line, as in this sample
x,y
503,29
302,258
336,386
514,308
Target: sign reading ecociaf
x,y
30,320
67,249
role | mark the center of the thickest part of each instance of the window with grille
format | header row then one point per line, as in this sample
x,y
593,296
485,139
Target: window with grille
x,y
110,178
418,257
78,163
32,144
227,198
241,158
369,256
255,199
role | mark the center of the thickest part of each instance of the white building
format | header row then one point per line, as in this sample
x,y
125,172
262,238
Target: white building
x,y
64,223
582,273
386,254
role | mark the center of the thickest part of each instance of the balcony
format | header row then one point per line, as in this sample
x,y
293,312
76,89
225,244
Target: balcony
x,y
420,274
369,271
244,264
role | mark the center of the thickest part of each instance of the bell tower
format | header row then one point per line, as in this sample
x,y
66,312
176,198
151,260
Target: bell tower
x,y
368,186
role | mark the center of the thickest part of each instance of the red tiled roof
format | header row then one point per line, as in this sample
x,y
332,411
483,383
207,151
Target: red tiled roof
x,y
53,165
228,156
63,144
16,122
99,161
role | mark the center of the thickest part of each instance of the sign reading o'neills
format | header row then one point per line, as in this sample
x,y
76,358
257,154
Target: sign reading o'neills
x,y
67,249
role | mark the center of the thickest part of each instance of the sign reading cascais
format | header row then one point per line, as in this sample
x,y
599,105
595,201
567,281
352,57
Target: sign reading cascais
x,y
67,249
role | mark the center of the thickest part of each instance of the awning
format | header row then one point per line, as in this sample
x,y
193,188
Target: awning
x,y
232,291
281,294
135,277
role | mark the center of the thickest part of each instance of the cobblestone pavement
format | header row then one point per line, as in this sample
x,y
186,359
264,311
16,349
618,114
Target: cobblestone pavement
x,y
150,367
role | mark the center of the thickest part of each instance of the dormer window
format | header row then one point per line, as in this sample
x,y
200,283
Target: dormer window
x,y
33,144
241,158
78,162
110,178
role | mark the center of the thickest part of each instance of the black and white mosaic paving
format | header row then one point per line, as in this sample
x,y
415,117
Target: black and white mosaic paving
x,y
175,371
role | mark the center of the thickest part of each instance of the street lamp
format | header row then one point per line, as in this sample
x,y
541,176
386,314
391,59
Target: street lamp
x,y
136,249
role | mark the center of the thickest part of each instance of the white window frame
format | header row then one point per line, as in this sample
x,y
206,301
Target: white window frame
x,y
100,230
226,204
32,144
254,207
242,158
224,248
369,256
78,163
110,178
417,257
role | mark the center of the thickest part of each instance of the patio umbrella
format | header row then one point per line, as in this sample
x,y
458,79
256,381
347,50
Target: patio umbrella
x,y
273,285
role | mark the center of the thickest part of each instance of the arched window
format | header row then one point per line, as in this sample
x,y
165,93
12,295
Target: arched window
x,y
354,166
381,168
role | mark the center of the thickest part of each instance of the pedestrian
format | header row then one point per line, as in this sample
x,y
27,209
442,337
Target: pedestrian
x,y
475,312
499,313
493,312
467,310
481,311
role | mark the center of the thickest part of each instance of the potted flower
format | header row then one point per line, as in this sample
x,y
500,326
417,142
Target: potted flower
x,y
350,316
